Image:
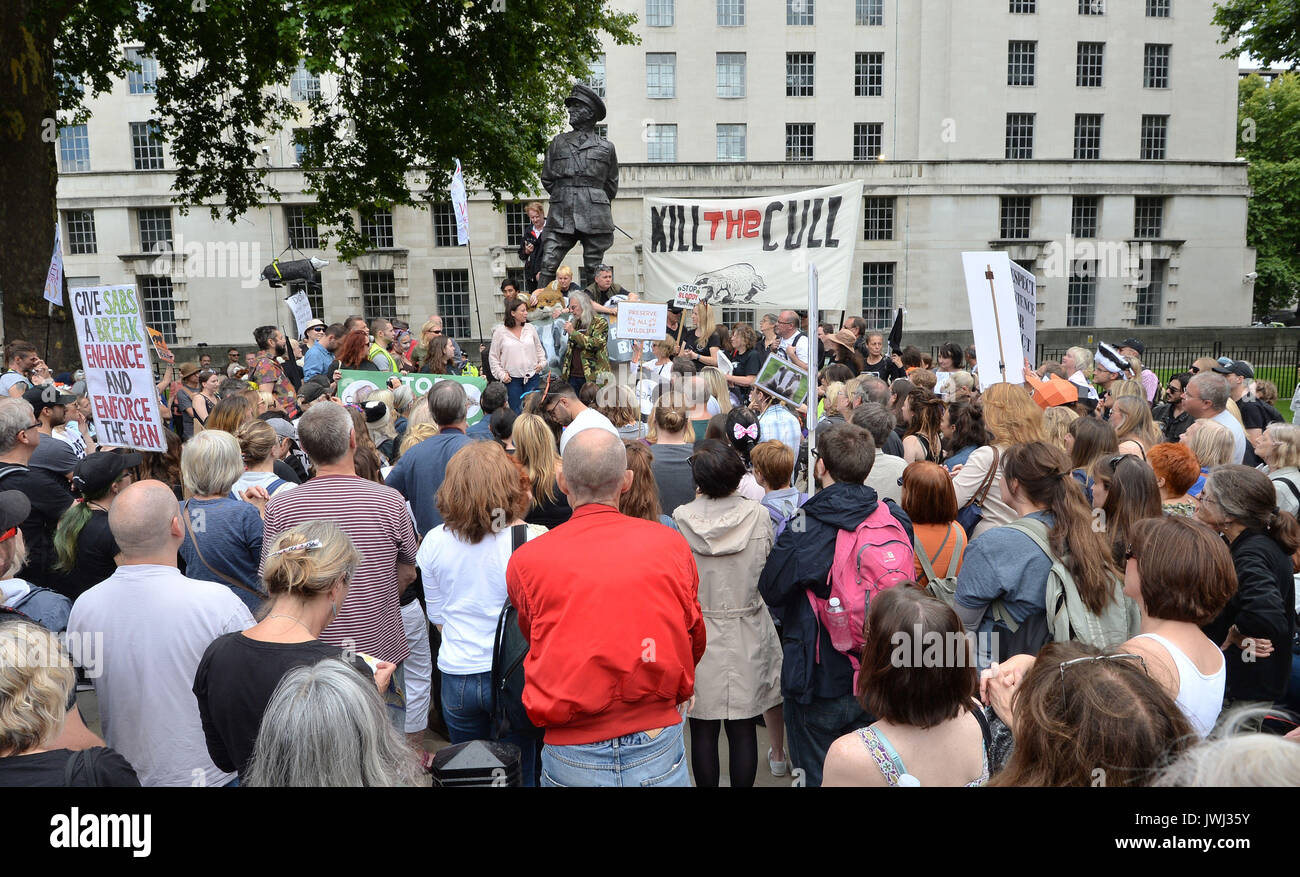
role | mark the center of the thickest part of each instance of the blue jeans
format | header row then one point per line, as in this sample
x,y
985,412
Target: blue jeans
x,y
467,710
811,728
517,387
633,760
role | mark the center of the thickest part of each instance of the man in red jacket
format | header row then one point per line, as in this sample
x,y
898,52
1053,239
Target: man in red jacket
x,y
610,607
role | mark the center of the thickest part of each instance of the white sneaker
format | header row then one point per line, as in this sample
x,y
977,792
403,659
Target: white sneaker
x,y
778,768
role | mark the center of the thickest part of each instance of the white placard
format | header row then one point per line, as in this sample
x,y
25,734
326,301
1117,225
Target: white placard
x,y
753,252
686,295
119,377
644,320
54,277
1025,288
725,365
994,318
301,309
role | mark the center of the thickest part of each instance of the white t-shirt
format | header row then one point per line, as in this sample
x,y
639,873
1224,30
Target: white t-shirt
x,y
800,342
464,589
260,479
154,625
1233,426
589,419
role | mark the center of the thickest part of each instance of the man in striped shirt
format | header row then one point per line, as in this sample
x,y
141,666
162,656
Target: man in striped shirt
x,y
369,620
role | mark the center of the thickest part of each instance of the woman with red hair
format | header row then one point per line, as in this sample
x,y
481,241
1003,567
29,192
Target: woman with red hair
x,y
351,353
1176,471
930,501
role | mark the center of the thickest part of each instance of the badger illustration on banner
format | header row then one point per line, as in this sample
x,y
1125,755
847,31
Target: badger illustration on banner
x,y
734,283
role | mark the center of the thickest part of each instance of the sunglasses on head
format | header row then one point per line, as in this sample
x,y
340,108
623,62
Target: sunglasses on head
x,y
1097,658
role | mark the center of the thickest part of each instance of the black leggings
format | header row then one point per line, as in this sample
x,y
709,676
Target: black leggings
x,y
742,746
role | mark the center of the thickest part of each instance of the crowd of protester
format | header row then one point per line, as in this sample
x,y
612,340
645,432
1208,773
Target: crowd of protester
x,y
1019,585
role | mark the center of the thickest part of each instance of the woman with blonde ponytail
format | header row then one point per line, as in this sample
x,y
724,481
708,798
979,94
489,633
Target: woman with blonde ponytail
x,y
307,574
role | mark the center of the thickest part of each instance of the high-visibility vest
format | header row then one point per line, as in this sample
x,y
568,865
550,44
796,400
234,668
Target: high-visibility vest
x,y
374,349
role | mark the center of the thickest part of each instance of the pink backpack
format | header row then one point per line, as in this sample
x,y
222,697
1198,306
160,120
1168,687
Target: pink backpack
x,y
876,556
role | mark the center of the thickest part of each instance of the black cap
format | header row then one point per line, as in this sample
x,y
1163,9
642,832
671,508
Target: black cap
x,y
1237,368
312,390
95,474
582,94
1135,344
15,508
44,397
375,411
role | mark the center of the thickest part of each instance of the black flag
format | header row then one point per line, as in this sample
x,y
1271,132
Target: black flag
x,y
896,334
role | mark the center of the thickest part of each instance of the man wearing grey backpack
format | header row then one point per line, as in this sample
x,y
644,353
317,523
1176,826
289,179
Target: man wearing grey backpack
x,y
1008,573
816,679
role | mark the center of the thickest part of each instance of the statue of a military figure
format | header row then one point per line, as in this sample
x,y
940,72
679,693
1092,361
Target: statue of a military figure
x,y
581,174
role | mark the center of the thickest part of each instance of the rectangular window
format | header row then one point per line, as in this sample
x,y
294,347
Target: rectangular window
x,y
661,143
878,293
301,144
799,12
1023,7
302,234
145,79
1015,218
155,227
1092,7
868,74
661,74
146,146
1020,135
1022,57
1157,8
444,224
1090,62
1087,136
870,13
602,131
1155,66
315,297
799,141
378,227
378,295
596,75
731,74
732,316
659,13
1155,137
1084,211
74,149
1148,217
731,13
516,223
878,219
800,70
79,231
451,295
1081,295
159,306
868,138
731,143
303,85
1151,292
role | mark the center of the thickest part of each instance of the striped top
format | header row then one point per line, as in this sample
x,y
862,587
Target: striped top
x,y
375,518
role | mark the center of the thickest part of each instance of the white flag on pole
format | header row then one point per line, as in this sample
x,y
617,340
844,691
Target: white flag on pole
x,y
54,278
460,202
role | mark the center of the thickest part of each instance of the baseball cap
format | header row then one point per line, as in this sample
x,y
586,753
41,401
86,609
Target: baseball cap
x,y
1135,344
15,508
283,428
95,474
44,397
312,390
1053,391
54,455
1236,367
1225,361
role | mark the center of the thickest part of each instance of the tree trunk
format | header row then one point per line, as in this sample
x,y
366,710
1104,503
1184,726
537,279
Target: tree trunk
x,y
28,182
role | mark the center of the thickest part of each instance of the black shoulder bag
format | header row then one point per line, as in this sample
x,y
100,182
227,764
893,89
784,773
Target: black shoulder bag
x,y
509,648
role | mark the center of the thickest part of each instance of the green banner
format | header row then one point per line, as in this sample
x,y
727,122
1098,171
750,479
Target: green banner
x,y
420,383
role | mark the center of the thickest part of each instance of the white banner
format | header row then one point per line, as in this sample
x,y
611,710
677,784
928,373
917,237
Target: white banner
x,y
1025,288
754,252
460,202
994,318
54,279
119,377
300,307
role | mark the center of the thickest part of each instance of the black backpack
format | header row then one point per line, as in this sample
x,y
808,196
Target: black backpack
x,y
509,648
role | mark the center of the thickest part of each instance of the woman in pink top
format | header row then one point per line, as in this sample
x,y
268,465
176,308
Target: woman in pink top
x,y
516,356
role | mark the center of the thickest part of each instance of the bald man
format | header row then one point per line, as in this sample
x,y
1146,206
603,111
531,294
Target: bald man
x,y
611,655
149,626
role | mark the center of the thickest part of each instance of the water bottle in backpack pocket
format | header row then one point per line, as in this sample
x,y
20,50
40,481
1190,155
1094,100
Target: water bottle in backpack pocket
x,y
875,556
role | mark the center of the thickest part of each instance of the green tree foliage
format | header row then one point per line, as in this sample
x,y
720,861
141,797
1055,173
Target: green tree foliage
x,y
1268,29
1269,137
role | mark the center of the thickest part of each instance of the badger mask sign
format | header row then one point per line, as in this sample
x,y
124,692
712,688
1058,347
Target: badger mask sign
x,y
754,252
